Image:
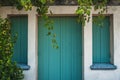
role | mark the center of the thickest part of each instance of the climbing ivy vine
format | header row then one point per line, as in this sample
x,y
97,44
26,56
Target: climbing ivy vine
x,y
85,6
8,69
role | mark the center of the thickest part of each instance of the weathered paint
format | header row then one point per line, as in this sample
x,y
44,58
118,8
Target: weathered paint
x,y
64,63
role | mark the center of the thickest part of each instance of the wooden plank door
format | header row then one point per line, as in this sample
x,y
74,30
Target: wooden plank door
x,y
64,63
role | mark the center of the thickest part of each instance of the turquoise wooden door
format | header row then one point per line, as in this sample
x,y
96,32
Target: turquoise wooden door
x,y
64,63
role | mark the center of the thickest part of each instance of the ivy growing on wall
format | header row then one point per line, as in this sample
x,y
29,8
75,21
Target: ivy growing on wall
x,y
8,68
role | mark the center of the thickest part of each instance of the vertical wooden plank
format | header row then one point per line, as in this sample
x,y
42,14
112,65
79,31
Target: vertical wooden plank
x,y
49,58
71,49
76,50
24,39
54,54
43,64
96,43
15,29
105,41
66,48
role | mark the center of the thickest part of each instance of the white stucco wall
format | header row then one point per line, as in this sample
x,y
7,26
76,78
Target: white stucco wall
x,y
87,37
102,74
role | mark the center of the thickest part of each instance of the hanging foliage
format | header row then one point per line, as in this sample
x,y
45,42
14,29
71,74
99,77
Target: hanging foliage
x,y
83,11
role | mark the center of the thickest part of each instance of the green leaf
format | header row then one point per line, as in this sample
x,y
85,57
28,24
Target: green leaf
x,y
43,1
49,33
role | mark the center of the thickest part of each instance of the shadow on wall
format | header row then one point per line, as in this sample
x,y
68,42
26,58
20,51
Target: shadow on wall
x,y
114,2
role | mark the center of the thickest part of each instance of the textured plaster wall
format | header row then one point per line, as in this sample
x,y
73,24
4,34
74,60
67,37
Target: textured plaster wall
x,y
32,38
103,74
87,41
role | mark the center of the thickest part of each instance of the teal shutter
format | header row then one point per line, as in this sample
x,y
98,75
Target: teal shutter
x,y
20,26
64,63
101,41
